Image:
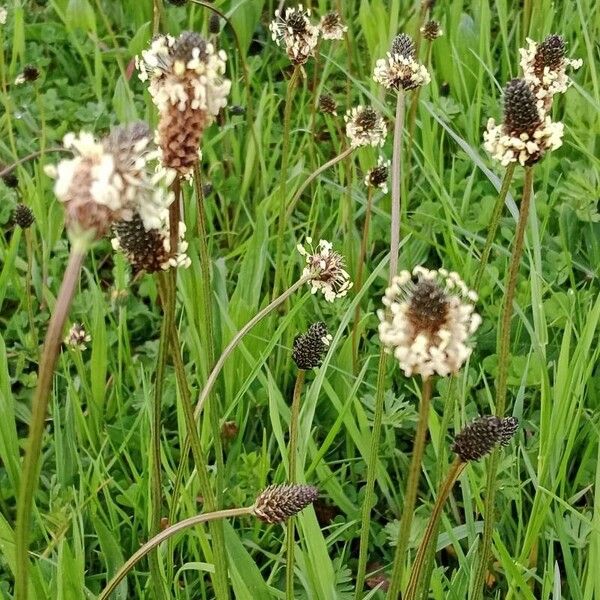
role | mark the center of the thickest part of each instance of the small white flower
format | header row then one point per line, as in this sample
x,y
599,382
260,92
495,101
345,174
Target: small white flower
x,y
365,127
428,321
77,338
545,68
400,70
3,15
378,176
325,267
332,27
292,29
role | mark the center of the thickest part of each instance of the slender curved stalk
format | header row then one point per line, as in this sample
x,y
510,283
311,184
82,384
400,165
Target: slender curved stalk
x,y
359,274
336,159
292,460
163,536
396,184
285,150
39,406
10,168
410,496
501,385
430,534
220,583
214,374
369,498
493,228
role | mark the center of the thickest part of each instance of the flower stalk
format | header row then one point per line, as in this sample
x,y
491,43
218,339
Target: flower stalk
x,y
39,407
501,385
292,462
410,496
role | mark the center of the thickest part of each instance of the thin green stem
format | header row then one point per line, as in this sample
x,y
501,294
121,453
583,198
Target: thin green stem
x,y
430,534
39,407
163,536
220,583
214,374
156,495
410,496
285,149
501,383
396,184
330,163
292,461
493,227
369,498
359,274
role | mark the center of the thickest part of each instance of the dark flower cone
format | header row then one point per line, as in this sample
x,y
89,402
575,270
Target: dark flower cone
x,y
277,503
404,46
521,114
309,348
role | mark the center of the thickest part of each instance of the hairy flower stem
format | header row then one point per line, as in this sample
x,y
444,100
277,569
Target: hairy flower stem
x,y
430,534
156,496
28,288
369,497
292,460
207,318
501,384
220,583
214,374
359,275
410,496
396,184
163,536
39,406
285,150
493,227
336,159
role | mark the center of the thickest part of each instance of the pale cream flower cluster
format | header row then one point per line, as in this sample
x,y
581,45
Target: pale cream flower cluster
x,y
325,269
428,321
78,337
332,27
400,72
185,72
3,15
365,127
546,80
292,29
378,176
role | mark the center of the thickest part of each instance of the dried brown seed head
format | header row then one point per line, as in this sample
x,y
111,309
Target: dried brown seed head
x,y
279,502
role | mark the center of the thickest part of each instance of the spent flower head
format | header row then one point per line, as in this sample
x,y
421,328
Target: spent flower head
x,y
187,84
378,176
109,180
481,436
277,503
310,347
332,27
29,74
77,338
545,68
400,69
365,127
527,132
428,321
327,104
293,30
325,267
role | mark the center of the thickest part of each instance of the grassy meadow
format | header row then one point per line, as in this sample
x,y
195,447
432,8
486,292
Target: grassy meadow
x,y
117,416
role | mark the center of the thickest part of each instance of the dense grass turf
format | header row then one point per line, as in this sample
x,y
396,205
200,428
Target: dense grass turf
x,y
93,499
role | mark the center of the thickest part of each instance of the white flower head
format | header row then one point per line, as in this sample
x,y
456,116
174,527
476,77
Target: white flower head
x,y
428,321
292,29
545,68
3,15
400,69
325,267
109,180
77,338
378,176
365,127
186,71
332,26
527,133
